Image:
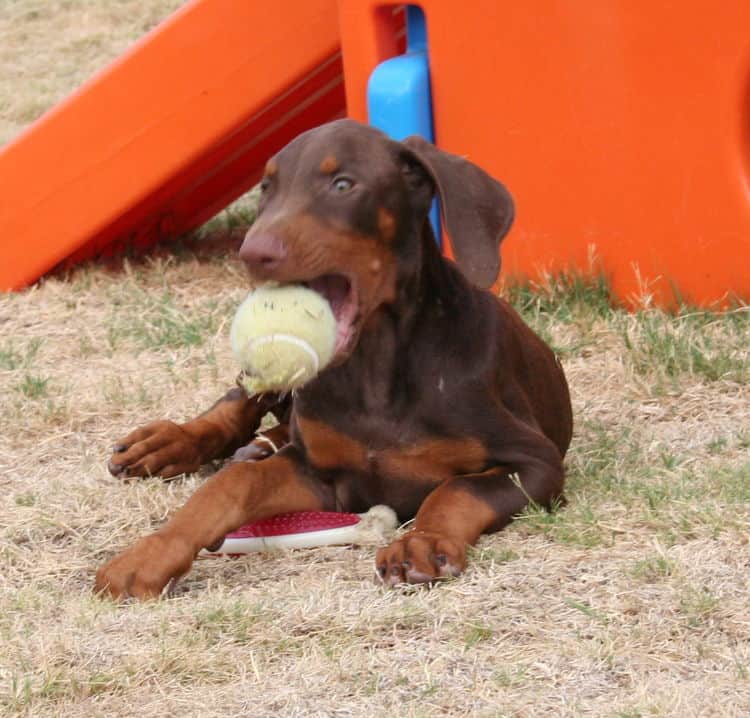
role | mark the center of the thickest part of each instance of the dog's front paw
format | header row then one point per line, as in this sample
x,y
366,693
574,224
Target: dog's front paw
x,y
161,448
144,569
420,557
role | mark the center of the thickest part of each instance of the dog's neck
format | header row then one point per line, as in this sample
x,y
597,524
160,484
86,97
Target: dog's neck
x,y
385,365
429,284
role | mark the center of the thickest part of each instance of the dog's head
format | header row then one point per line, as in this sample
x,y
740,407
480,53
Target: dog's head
x,y
343,210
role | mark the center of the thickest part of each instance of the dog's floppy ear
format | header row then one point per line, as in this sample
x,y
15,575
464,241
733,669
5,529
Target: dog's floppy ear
x,y
477,210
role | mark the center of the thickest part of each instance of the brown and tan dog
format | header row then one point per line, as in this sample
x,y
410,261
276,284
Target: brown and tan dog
x,y
441,402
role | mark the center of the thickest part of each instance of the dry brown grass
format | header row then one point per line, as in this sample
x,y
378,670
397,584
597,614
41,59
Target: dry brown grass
x,y
49,47
632,601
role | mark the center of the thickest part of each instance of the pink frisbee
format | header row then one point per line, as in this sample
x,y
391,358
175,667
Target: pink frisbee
x,y
307,529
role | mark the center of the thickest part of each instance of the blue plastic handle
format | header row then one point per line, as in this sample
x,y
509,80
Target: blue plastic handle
x,y
399,101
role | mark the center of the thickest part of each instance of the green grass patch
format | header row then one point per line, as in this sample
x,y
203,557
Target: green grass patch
x,y
476,634
575,525
587,610
33,386
155,321
603,457
697,605
509,675
10,358
653,569
13,357
489,556
564,300
236,621
709,345
26,499
733,483
567,296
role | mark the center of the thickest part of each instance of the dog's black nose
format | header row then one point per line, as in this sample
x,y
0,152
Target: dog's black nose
x,y
262,253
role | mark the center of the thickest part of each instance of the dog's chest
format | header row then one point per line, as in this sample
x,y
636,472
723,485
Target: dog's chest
x,y
328,448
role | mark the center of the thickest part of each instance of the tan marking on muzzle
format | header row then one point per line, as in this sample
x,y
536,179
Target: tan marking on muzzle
x,y
386,224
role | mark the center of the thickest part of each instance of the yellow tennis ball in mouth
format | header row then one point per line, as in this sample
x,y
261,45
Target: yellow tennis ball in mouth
x,y
282,336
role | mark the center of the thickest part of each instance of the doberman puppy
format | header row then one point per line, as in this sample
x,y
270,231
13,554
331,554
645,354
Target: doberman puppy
x,y
440,402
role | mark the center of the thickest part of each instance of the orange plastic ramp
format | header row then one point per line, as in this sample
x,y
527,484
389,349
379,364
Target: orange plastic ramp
x,y
620,127
168,134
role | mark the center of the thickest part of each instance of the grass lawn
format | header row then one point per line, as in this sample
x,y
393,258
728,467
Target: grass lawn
x,y
631,601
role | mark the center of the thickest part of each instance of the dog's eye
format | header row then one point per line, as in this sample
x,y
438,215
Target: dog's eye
x,y
265,183
342,184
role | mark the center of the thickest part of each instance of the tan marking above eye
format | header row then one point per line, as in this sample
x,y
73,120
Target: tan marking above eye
x,y
329,164
271,168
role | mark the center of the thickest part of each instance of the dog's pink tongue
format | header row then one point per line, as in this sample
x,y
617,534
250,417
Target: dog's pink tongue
x,y
335,288
339,293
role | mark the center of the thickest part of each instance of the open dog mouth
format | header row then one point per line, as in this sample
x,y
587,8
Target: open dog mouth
x,y
340,293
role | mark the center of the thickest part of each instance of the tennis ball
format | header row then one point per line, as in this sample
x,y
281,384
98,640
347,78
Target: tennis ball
x,y
282,336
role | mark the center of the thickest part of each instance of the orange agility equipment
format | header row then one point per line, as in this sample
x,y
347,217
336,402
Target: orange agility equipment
x,y
169,134
620,126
